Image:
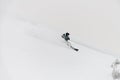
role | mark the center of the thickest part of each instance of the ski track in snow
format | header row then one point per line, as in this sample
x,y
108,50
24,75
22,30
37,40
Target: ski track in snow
x,y
37,52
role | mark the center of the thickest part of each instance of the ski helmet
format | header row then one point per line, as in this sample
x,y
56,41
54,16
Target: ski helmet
x,y
67,33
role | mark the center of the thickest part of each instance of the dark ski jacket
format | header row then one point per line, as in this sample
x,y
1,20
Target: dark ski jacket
x,y
66,36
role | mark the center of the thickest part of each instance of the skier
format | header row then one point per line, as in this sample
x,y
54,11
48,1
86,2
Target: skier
x,y
116,71
66,37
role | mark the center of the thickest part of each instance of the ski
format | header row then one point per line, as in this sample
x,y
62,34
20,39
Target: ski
x,y
74,48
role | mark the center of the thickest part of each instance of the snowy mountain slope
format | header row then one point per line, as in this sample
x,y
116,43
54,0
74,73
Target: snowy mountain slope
x,y
36,52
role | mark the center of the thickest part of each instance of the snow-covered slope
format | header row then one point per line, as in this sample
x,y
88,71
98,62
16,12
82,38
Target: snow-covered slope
x,y
36,52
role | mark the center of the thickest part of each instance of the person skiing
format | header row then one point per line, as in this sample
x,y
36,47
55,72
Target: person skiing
x,y
116,71
66,37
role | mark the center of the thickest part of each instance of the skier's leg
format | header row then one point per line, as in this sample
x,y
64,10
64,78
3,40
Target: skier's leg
x,y
68,43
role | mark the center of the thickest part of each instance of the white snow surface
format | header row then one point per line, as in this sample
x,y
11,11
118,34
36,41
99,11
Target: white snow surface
x,y
37,52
